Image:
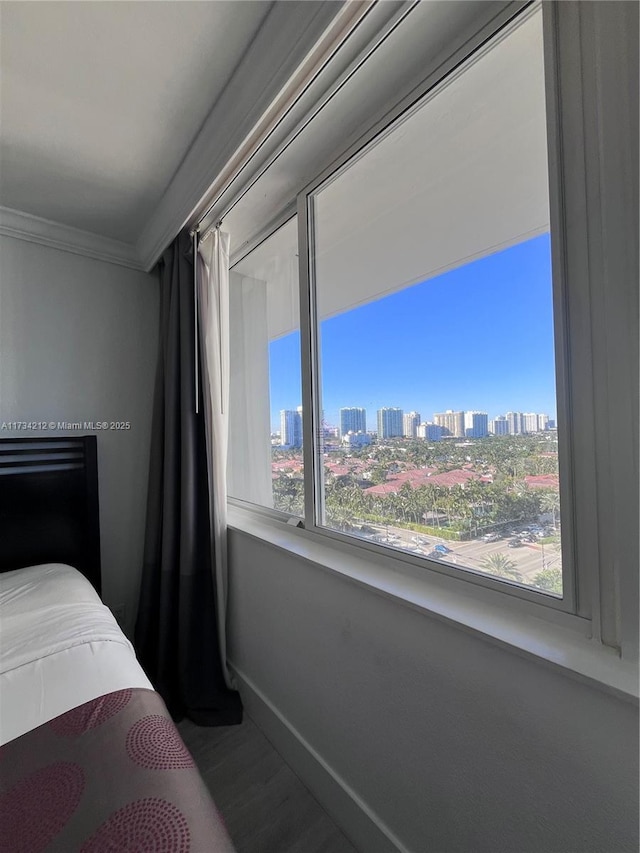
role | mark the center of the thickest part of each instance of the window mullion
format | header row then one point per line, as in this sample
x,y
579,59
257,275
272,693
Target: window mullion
x,y
308,353
575,581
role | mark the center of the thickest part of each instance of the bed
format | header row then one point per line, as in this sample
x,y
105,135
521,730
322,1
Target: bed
x,y
90,759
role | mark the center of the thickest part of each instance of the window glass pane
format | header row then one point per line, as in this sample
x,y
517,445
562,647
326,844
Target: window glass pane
x,y
265,415
433,286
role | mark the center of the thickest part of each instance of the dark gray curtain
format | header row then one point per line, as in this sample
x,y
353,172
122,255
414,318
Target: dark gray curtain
x,y
176,636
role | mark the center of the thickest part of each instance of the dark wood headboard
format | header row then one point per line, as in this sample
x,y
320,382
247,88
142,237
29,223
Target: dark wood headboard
x,y
49,503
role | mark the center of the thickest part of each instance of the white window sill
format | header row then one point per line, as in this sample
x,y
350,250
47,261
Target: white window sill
x,y
547,636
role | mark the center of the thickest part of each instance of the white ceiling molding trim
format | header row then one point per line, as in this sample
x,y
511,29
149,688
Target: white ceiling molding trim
x,y
291,39
33,229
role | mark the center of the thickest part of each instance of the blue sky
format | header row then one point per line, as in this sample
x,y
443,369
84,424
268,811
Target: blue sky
x,y
477,337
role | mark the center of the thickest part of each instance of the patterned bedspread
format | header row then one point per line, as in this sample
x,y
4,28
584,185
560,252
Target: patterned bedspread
x,y
110,775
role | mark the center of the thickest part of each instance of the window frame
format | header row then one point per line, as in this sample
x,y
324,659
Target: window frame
x,y
283,218
311,402
598,603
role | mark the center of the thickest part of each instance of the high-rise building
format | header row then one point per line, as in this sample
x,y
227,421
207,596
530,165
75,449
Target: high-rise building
x,y
476,424
499,426
352,419
451,422
514,420
389,423
543,423
291,427
410,423
429,431
529,422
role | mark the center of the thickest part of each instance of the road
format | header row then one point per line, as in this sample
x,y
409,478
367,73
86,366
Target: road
x,y
528,559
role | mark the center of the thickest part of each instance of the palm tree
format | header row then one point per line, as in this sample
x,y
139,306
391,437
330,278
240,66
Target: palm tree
x,y
431,500
550,580
414,505
500,564
550,502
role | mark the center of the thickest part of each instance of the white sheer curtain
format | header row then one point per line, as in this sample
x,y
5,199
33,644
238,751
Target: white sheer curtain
x,y
213,317
249,470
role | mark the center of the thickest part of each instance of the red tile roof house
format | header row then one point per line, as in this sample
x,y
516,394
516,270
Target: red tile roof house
x,y
542,481
422,477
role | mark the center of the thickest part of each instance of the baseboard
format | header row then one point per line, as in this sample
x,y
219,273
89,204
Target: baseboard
x,y
366,831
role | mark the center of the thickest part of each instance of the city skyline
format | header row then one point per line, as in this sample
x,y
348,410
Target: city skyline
x,y
463,423
476,338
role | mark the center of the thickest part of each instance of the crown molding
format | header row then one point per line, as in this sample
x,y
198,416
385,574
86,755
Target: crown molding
x,y
33,229
293,44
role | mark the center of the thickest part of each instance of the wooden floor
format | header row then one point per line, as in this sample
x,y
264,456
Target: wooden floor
x,y
263,803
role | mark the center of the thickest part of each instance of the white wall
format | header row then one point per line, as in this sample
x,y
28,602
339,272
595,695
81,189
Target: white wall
x,y
454,744
78,342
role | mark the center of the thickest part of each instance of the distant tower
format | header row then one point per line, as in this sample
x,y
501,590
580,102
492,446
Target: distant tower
x,y
291,427
514,420
499,426
529,422
389,423
476,424
352,419
429,431
410,424
451,422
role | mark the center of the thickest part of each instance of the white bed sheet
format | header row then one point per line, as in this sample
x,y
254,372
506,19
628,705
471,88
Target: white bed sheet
x,y
59,647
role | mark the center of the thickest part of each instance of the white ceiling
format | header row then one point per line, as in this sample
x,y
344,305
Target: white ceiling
x,y
100,102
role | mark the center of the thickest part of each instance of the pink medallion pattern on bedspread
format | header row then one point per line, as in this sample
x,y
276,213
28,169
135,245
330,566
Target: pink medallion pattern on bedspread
x,y
110,776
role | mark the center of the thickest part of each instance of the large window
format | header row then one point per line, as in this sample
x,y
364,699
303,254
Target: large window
x,y
434,330
430,312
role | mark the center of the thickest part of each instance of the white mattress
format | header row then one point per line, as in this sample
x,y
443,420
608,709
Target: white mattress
x,y
59,647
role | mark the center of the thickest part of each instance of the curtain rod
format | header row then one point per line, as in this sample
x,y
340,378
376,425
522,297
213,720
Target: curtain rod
x,y
347,20
196,230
